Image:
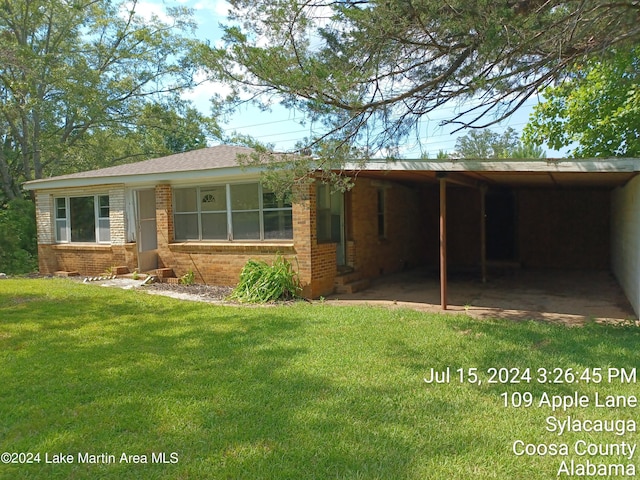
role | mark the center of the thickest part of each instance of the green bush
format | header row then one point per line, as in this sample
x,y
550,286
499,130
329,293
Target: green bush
x,y
188,278
18,243
261,282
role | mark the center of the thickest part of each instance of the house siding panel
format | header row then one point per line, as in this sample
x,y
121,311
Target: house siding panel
x,y
117,216
44,218
625,239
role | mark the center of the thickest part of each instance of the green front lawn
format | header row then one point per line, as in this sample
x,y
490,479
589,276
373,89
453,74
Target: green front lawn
x,y
286,392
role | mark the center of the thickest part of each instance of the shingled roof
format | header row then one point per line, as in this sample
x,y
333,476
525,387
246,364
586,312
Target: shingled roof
x,y
221,156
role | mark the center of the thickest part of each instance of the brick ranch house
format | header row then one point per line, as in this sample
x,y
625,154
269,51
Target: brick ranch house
x,y
199,211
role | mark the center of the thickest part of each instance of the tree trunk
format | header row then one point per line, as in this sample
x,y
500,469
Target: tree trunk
x,y
5,178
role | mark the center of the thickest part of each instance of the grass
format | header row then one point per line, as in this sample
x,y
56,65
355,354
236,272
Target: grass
x,y
291,392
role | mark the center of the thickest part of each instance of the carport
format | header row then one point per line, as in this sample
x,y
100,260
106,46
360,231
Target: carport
x,y
547,216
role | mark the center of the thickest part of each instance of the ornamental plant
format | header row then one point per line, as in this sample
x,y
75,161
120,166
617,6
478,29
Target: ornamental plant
x,y
261,282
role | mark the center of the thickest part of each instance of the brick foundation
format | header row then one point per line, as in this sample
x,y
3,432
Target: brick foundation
x,y
85,259
221,264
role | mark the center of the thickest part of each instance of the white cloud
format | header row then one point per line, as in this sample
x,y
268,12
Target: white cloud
x,y
146,10
201,95
211,12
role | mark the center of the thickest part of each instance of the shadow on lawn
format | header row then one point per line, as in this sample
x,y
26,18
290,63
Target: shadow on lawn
x,y
260,392
226,389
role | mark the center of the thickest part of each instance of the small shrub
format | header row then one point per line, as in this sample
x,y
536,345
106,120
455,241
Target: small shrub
x,y
261,282
188,278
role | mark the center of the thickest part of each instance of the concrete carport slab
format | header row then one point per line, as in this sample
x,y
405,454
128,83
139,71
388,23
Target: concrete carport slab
x,y
566,215
568,297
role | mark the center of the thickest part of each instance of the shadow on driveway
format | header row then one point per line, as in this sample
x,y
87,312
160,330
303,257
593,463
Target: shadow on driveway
x,y
570,297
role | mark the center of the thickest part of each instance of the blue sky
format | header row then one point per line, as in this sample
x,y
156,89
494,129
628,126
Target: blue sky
x,y
280,127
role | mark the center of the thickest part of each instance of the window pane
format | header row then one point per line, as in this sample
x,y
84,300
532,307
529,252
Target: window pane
x,y
246,225
278,225
186,200
61,231
271,200
213,199
104,234
244,197
323,219
214,226
329,213
335,228
323,196
146,204
103,201
61,208
186,226
83,222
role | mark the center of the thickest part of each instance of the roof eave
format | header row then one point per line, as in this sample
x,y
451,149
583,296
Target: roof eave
x,y
140,178
542,165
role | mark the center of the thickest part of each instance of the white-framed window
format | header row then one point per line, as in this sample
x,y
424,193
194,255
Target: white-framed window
x,y
83,219
243,211
329,214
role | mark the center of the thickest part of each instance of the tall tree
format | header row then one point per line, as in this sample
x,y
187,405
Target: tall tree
x,y
367,71
157,129
483,144
76,69
595,111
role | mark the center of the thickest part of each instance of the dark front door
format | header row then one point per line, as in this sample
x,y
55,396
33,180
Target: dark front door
x,y
501,225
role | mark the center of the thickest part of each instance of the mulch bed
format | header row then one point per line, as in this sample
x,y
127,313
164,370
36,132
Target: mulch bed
x,y
208,292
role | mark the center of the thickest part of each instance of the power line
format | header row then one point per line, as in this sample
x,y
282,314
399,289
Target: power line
x,y
528,103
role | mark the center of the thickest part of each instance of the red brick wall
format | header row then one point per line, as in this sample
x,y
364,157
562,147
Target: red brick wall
x,y
554,228
463,227
564,228
221,264
372,255
324,268
85,259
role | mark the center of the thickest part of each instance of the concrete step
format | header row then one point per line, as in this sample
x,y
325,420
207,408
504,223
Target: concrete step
x,y
353,287
164,273
62,273
347,278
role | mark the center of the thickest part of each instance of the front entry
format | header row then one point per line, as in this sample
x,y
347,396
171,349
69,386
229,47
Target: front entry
x,y
330,220
146,232
501,225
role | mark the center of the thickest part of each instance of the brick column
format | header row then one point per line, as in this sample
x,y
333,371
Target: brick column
x,y
164,225
303,235
317,262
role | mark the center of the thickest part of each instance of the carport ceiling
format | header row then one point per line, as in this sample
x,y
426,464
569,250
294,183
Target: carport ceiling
x,y
558,174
